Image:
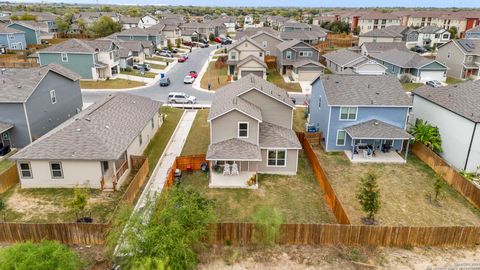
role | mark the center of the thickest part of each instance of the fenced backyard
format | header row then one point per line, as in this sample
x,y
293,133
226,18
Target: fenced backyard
x,y
8,178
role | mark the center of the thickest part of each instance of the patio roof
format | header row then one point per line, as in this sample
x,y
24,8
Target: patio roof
x,y
234,149
375,129
5,126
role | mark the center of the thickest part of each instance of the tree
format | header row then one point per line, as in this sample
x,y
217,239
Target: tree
x,y
105,26
368,195
428,135
178,42
134,12
437,188
267,220
45,255
453,32
169,45
79,201
211,37
64,23
27,17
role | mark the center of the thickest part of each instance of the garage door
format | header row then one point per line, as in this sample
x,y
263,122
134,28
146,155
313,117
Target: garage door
x,y
431,75
258,73
308,75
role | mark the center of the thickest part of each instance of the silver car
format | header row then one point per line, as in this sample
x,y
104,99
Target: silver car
x,y
177,97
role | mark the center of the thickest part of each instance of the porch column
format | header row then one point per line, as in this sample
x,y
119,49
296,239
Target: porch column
x,y
353,148
406,150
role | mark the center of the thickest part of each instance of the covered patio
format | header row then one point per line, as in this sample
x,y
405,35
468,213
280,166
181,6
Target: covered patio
x,y
5,143
375,141
233,164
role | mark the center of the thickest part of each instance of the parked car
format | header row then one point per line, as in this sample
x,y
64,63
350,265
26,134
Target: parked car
x,y
420,49
164,79
189,44
145,67
434,83
204,45
177,97
182,59
184,55
227,41
193,73
218,40
173,50
164,53
188,79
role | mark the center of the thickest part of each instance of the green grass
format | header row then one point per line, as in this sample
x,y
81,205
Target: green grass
x,y
299,119
299,198
110,84
451,80
156,66
4,164
276,78
199,137
409,87
217,77
158,143
139,74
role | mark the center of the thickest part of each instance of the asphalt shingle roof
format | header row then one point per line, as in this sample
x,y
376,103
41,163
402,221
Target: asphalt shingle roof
x,y
234,149
469,46
375,129
80,46
16,85
463,98
376,47
276,136
251,57
404,59
7,30
389,31
343,56
5,126
302,35
368,90
103,131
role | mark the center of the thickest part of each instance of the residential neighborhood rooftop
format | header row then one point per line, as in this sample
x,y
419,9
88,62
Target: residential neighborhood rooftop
x,y
376,129
343,56
403,58
79,46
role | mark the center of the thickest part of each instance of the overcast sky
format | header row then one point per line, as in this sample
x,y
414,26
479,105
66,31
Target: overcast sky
x,y
284,3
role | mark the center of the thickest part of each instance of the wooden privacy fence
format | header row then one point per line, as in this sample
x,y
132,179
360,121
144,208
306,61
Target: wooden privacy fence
x,y
140,164
329,194
9,64
350,235
9,178
182,162
465,187
271,61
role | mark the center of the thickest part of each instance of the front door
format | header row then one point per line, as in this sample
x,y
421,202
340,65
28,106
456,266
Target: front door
x,y
105,167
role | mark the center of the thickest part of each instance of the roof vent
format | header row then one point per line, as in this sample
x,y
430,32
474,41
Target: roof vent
x,y
19,86
107,127
449,94
78,130
375,123
371,101
368,85
377,93
88,119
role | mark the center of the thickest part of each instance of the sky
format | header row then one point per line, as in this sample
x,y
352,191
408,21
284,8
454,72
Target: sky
x,y
283,3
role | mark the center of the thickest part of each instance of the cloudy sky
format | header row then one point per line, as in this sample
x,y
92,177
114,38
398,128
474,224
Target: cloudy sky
x,y
285,3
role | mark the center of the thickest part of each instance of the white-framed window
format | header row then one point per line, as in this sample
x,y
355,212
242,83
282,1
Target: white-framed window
x,y
319,102
64,57
305,53
341,137
53,96
131,37
153,123
140,139
445,36
56,169
267,53
277,158
260,54
25,170
11,37
288,55
233,55
243,129
348,113
264,44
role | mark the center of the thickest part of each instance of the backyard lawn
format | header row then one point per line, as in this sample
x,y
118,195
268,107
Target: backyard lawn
x,y
139,74
4,164
405,192
299,198
199,137
110,84
157,66
216,77
160,58
277,79
299,119
409,87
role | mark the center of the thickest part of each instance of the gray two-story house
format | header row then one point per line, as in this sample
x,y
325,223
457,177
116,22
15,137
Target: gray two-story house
x,y
36,100
298,59
91,59
462,57
153,34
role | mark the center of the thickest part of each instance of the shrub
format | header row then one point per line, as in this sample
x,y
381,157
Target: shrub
x,y
267,220
46,255
128,69
79,201
405,79
428,135
368,196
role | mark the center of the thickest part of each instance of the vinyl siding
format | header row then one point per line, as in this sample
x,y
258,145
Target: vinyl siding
x,y
18,38
226,127
455,62
31,36
289,169
13,113
82,64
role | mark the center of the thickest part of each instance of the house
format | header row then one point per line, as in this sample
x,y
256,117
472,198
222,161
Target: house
x,y
89,18
364,116
229,22
91,59
34,27
32,33
454,110
251,130
129,22
170,31
394,33
12,38
205,29
152,34
310,34
372,48
306,70
245,57
461,56
376,20
247,20
267,40
147,21
92,149
432,36
473,33
46,18
344,59
36,100
290,53
413,65
135,47
255,30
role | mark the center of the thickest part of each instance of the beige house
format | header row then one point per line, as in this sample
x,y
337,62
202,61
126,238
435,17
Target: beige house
x,y
250,133
245,57
377,20
462,57
94,148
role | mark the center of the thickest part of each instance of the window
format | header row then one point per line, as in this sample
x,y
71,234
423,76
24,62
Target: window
x,y
348,113
449,54
445,36
111,55
305,54
260,54
140,139
53,96
64,57
264,44
243,129
56,169
277,158
233,56
25,170
153,123
288,55
469,58
319,102
341,135
131,37
267,53
11,36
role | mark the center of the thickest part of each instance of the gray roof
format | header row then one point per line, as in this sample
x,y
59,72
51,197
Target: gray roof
x,y
134,46
307,62
302,35
234,149
469,46
376,47
227,98
291,43
80,46
129,20
244,39
276,136
462,99
367,90
251,57
18,84
404,59
255,30
5,126
389,31
430,29
375,129
4,29
103,131
343,57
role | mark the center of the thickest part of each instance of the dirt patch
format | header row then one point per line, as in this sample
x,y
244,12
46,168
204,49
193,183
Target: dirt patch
x,y
30,207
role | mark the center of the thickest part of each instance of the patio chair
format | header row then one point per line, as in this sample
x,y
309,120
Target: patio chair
x,y
234,169
226,169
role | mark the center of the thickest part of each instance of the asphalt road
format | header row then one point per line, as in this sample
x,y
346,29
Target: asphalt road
x,y
195,62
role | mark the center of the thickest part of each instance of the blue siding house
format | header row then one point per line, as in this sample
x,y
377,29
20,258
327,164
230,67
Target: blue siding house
x,y
360,114
32,34
12,39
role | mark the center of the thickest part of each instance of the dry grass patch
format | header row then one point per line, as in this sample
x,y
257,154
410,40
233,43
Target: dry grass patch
x,y
217,77
299,119
405,193
199,137
110,84
299,198
276,78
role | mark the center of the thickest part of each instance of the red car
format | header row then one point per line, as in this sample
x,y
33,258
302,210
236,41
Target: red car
x,y
189,44
182,59
193,74
218,40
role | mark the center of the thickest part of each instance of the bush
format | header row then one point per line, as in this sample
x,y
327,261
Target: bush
x,y
46,255
368,196
79,201
428,135
267,220
405,79
128,69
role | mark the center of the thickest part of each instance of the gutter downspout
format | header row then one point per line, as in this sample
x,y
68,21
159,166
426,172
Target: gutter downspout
x,y
470,147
